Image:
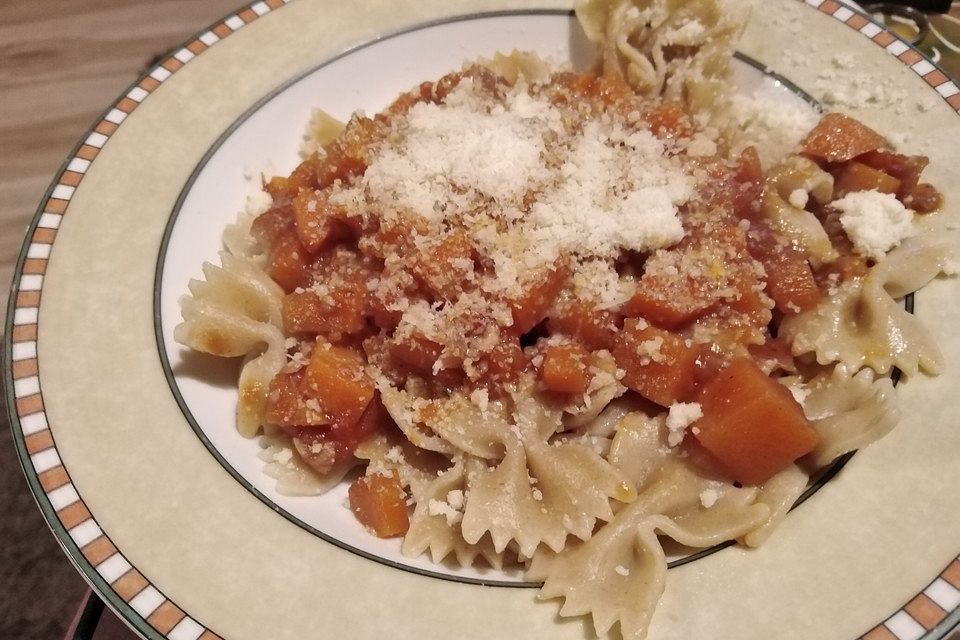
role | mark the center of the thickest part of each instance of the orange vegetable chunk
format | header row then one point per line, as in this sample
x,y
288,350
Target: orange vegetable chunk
x,y
856,176
838,138
303,177
379,503
657,364
335,315
444,267
335,378
317,223
790,281
285,403
564,368
417,352
290,262
670,303
751,424
593,328
532,307
505,361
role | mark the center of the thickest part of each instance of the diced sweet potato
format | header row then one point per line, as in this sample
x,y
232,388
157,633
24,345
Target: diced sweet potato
x,y
564,368
290,262
751,424
659,365
337,314
670,303
925,198
790,281
906,169
443,268
505,361
335,378
285,403
593,328
532,307
856,176
669,120
838,138
379,503
346,157
417,352
318,223
269,226
303,177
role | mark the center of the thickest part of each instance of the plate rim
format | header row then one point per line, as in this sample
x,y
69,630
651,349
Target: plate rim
x,y
22,405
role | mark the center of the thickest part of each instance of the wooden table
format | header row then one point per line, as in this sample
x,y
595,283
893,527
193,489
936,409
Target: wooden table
x,y
61,64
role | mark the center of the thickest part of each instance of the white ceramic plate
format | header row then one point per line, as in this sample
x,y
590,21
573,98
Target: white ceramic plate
x,y
129,442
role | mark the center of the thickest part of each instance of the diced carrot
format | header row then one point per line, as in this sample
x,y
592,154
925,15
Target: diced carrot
x,y
790,281
270,225
838,138
564,368
346,156
775,353
658,364
337,314
505,361
318,223
751,424
532,306
856,176
379,503
290,262
670,303
906,169
669,120
335,378
594,328
285,403
443,268
749,184
925,198
417,352
303,177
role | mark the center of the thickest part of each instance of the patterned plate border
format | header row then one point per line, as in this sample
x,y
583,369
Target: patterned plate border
x,y
930,615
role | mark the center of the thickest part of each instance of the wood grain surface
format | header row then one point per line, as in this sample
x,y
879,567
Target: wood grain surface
x,y
61,65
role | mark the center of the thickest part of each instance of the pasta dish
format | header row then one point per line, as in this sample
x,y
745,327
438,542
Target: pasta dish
x,y
551,318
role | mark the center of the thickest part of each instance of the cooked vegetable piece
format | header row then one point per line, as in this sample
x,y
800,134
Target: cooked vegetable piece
x,y
856,176
532,307
337,314
269,226
303,177
346,157
669,120
290,262
505,361
443,268
790,281
906,169
658,365
318,223
751,424
925,198
379,503
417,352
286,403
592,327
335,378
671,303
838,138
564,368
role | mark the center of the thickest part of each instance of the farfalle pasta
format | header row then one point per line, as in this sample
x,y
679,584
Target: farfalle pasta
x,y
548,319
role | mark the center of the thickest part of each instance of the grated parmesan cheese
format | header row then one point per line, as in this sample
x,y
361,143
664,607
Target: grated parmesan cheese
x,y
681,416
875,222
